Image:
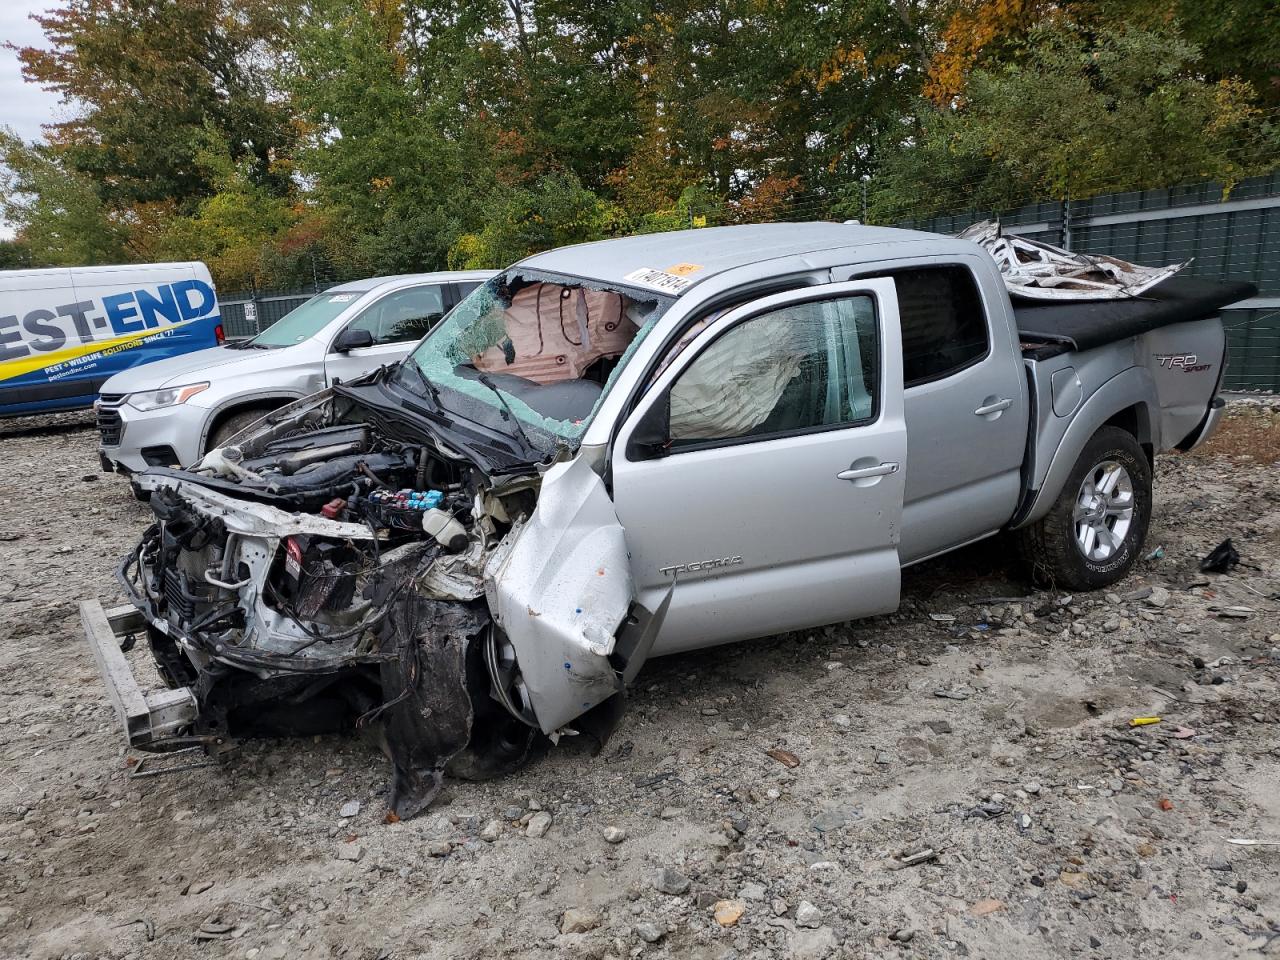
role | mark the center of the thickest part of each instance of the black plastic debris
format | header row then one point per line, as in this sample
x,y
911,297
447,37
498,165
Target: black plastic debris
x,y
1220,559
988,810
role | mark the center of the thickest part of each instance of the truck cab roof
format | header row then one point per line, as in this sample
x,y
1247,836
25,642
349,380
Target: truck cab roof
x,y
706,252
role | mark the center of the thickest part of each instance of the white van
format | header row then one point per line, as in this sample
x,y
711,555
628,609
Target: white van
x,y
63,332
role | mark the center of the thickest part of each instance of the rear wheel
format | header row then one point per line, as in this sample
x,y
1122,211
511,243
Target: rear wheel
x,y
1094,532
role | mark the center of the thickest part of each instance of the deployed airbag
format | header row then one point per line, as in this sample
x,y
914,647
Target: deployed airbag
x,y
555,332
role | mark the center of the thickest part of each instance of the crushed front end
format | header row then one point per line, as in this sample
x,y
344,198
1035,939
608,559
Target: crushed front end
x,y
344,567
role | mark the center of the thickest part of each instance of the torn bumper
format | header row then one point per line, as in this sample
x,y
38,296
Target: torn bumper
x,y
271,622
150,718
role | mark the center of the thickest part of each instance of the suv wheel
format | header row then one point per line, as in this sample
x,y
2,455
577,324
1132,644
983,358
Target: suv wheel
x,y
1094,532
232,425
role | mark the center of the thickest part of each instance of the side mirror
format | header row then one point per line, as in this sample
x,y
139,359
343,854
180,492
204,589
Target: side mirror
x,y
652,436
350,339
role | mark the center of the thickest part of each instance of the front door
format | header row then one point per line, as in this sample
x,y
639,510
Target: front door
x,y
396,323
764,468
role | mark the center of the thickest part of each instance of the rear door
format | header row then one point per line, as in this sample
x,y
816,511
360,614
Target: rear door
x,y
763,469
966,407
396,322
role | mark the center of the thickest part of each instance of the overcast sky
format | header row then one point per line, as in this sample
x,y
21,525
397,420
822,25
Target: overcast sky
x,y
23,106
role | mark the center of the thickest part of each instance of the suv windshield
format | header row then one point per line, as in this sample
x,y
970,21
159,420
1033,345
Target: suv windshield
x,y
306,320
539,347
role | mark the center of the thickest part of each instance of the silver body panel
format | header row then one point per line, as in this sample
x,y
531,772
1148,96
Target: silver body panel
x,y
966,476
560,588
1186,361
768,537
964,469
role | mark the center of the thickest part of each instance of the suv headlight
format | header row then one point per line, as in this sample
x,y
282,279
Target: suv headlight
x,y
168,397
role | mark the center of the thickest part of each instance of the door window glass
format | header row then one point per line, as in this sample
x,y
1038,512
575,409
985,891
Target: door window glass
x,y
405,315
797,368
944,328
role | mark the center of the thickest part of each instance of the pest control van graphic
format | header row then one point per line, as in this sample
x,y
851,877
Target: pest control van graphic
x,y
63,332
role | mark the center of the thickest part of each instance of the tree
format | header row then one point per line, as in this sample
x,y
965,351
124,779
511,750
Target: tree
x,y
1240,39
15,255
60,218
696,207
146,77
1082,113
235,230
386,147
555,211
273,137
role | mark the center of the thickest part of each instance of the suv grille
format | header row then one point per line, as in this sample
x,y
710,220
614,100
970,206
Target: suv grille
x,y
110,427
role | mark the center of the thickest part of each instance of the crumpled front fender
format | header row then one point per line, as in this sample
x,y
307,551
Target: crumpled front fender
x,y
560,590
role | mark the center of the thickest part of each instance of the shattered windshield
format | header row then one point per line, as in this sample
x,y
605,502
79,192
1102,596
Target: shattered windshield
x,y
540,348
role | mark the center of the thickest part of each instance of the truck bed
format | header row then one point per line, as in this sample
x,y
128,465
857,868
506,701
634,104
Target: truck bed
x,y
1049,328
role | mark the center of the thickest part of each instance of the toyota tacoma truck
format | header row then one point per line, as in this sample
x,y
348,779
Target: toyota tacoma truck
x,y
625,449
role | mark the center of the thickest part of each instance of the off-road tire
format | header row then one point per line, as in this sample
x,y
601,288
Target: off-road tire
x,y
1049,547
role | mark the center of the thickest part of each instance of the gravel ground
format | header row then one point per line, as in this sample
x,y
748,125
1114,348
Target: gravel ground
x,y
993,731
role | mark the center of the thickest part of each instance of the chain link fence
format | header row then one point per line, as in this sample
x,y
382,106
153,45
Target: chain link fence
x,y
246,313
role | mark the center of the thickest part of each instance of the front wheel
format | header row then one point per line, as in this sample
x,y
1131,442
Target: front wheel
x,y
234,424
1093,533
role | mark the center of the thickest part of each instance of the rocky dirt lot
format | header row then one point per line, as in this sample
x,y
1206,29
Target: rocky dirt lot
x,y
757,801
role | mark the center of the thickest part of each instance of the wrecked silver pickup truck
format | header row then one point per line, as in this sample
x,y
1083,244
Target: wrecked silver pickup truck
x,y
636,447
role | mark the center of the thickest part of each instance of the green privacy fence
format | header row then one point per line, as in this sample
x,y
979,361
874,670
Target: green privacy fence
x,y
1231,234
246,313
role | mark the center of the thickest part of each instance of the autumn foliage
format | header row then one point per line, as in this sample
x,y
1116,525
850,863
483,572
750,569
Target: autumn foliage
x,y
286,140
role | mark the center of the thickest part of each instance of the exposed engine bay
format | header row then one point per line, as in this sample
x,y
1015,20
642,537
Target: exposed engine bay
x,y
335,568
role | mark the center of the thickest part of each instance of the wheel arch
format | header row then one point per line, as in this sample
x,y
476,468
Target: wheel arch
x,y
266,402
1136,420
1127,401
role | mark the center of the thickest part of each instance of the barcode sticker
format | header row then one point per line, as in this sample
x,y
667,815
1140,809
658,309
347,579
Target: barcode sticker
x,y
658,279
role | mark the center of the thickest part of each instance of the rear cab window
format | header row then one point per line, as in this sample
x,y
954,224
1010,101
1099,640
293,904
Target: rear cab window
x,y
944,325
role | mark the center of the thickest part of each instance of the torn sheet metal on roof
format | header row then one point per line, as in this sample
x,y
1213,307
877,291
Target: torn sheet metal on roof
x,y
1040,271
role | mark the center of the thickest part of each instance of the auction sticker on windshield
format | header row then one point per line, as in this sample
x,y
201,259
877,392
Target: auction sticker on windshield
x,y
658,279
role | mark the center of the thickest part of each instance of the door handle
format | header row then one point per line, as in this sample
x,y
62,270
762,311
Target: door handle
x,y
862,473
989,408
